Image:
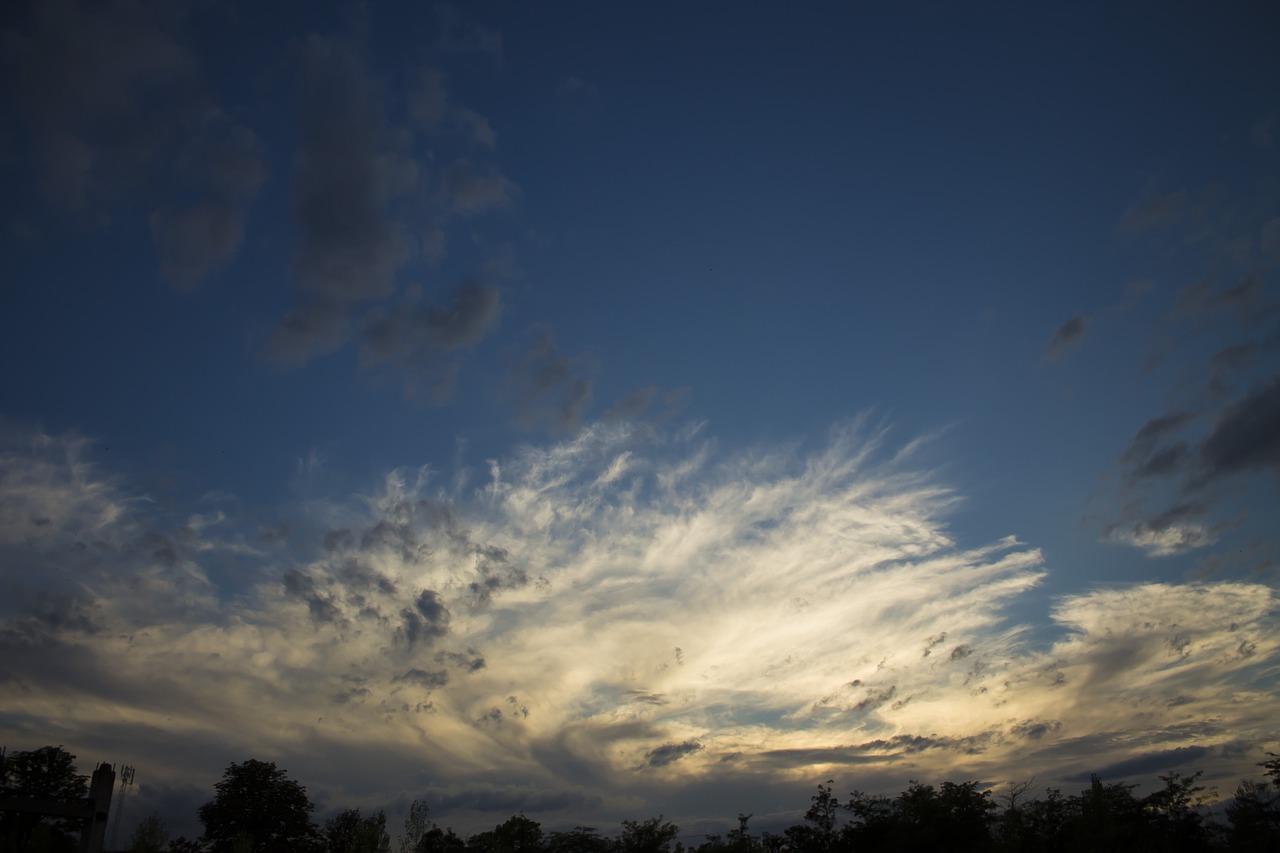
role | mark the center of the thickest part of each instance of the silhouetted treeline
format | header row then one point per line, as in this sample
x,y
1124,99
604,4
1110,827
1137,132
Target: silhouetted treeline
x,y
257,808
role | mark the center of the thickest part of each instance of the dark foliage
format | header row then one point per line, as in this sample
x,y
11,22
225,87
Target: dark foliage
x,y
47,773
348,832
258,808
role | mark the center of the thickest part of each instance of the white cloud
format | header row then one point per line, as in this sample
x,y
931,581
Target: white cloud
x,y
1167,541
616,615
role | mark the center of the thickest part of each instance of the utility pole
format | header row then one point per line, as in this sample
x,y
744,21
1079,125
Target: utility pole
x,y
126,779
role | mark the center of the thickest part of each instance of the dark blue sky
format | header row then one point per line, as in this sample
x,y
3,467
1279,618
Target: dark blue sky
x,y
607,270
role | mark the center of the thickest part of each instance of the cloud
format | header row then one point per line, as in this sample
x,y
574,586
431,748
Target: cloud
x,y
1147,765
551,390
345,173
669,752
431,680
683,609
424,339
112,103
1239,441
1068,335
472,190
1245,438
361,188
638,406
1184,473
460,34
50,490
430,110
98,89
225,164
1163,539
1161,211
1201,298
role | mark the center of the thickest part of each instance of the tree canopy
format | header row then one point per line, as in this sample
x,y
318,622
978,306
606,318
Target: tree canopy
x,y
257,807
47,773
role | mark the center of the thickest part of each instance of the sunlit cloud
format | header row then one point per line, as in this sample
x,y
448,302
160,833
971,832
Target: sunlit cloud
x,y
586,619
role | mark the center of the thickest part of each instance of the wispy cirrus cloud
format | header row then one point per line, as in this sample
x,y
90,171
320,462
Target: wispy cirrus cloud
x,y
595,617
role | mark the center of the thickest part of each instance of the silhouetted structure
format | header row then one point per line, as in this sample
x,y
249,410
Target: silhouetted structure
x,y
91,811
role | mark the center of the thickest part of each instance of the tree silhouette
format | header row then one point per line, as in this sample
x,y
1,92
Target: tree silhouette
x,y
348,832
647,836
818,833
416,825
257,806
518,834
580,839
47,773
150,836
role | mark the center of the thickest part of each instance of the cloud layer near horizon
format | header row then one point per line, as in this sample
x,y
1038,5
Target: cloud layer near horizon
x,y
567,630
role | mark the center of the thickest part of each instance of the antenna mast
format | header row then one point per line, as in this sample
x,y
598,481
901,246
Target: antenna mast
x,y
126,779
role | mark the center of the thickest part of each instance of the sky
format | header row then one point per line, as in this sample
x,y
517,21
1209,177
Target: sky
x,y
610,409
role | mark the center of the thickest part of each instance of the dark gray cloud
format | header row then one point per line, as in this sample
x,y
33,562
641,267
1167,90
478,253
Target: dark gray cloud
x,y
1245,438
316,325
1154,430
430,680
427,620
639,406
424,338
1066,336
1034,729
275,534
670,752
875,698
338,540
359,191
350,694
100,89
224,163
1150,453
550,388
324,604
346,170
1162,461
933,642
1145,765
875,751
468,661
1242,440
398,536
506,800
111,102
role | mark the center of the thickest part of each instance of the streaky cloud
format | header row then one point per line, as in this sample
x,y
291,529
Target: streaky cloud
x,y
683,610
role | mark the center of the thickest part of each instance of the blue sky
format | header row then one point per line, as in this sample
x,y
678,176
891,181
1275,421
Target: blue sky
x,y
362,343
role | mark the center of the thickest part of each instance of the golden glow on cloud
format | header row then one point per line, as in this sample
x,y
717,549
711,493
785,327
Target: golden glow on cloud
x,y
605,613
